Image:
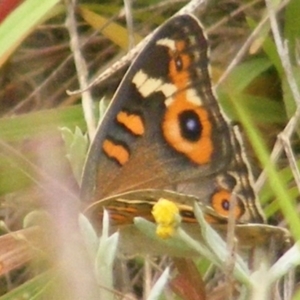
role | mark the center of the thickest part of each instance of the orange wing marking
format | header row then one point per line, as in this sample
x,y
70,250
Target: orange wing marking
x,y
220,202
132,122
117,152
199,151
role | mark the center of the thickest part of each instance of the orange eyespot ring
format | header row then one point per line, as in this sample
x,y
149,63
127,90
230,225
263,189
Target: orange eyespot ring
x,y
220,202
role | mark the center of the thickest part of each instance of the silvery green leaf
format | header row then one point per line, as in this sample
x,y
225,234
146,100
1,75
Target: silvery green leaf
x,y
159,285
89,235
199,247
104,265
149,229
107,251
219,248
285,263
76,147
107,245
260,278
104,250
105,225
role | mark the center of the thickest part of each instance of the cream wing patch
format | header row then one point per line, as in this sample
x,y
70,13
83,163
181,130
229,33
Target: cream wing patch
x,y
192,97
167,43
147,85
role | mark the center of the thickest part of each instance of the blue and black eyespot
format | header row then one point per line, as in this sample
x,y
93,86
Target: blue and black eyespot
x,y
190,125
178,63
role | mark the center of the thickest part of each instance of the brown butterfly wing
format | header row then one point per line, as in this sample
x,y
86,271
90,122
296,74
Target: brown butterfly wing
x,y
138,142
164,128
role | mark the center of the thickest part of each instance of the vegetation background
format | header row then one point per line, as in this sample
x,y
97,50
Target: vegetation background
x,y
256,73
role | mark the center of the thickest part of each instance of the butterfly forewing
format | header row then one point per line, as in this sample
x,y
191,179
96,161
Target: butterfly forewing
x,y
164,128
163,102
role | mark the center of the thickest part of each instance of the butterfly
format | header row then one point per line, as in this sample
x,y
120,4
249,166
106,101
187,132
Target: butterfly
x,y
165,135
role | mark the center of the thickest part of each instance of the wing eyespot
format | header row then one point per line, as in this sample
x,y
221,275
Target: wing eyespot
x,y
220,202
190,125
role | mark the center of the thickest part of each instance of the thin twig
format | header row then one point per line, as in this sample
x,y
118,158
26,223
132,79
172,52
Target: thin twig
x,y
129,23
87,101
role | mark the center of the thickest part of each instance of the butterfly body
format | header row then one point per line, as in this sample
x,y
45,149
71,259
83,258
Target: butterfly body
x,y
164,132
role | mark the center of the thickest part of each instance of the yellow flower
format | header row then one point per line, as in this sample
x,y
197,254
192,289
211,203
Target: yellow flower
x,y
167,218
